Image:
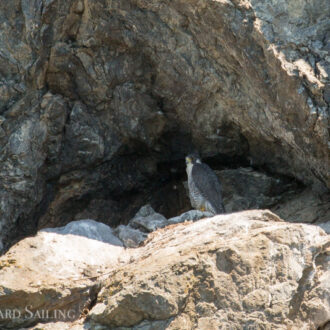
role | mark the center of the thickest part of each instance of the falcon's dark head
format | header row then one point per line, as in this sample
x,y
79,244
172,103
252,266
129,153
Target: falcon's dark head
x,y
193,158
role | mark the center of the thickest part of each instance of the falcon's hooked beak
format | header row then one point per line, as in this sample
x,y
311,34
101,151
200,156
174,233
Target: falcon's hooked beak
x,y
188,160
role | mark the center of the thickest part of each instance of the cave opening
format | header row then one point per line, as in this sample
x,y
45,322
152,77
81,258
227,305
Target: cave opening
x,y
118,188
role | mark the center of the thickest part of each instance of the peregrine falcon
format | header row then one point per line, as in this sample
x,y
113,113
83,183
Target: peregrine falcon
x,y
204,186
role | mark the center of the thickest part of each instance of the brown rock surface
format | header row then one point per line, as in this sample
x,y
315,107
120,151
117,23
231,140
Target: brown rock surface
x,y
49,276
241,270
234,271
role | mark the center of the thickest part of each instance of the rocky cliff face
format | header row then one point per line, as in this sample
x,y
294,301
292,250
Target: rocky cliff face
x,y
100,100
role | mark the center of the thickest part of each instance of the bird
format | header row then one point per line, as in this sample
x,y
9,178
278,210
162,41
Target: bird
x,y
204,186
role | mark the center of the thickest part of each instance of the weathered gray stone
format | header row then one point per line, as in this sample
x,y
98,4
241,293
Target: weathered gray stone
x,y
88,228
245,188
307,208
148,220
192,215
145,211
131,237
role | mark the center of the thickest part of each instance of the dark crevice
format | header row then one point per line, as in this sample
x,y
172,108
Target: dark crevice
x,y
325,326
303,286
126,183
94,292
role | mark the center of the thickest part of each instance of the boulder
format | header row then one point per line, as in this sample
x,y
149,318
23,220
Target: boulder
x,y
245,188
88,228
242,270
130,237
306,207
54,275
148,220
